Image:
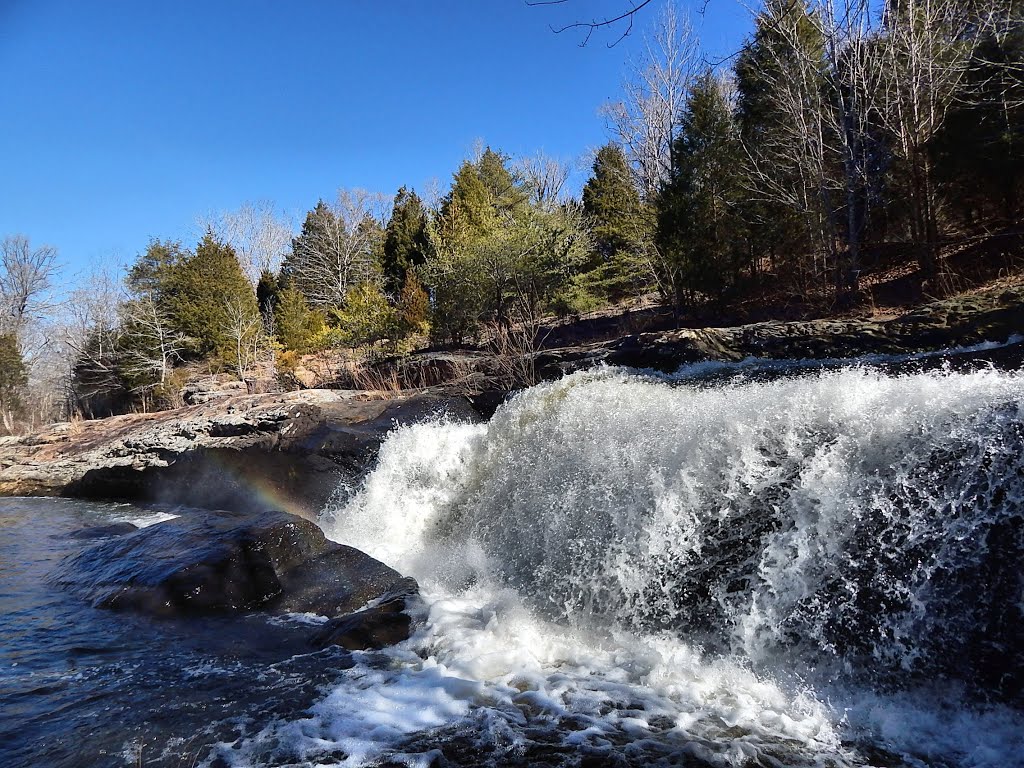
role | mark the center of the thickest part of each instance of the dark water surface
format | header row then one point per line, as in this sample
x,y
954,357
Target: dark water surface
x,y
86,687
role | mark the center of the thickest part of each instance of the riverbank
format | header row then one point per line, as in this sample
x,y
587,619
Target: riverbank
x,y
285,451
993,314
290,451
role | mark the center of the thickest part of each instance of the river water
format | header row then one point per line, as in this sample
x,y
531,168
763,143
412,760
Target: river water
x,y
729,566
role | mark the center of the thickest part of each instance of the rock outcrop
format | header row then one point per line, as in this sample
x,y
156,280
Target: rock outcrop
x,y
219,562
386,622
251,452
994,316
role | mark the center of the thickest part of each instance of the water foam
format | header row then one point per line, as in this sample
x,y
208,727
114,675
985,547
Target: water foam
x,y
780,571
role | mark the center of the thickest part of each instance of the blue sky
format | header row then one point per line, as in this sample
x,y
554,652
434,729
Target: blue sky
x,y
126,119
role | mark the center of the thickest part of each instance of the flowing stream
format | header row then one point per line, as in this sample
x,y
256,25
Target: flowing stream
x,y
801,569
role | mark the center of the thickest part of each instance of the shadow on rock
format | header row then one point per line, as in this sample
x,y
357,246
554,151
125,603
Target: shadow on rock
x,y
210,563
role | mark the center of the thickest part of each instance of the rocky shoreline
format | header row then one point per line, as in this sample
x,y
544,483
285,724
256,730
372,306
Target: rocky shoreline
x,y
249,453
992,315
290,451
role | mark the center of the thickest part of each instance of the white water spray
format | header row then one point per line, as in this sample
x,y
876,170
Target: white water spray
x,y
781,571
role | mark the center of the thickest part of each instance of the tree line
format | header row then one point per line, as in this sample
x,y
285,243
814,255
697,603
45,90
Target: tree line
x,y
838,132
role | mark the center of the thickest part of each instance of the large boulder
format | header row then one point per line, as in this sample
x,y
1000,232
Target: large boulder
x,y
225,562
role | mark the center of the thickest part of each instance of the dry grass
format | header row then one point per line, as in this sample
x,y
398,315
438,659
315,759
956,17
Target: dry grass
x,y
514,348
383,382
76,424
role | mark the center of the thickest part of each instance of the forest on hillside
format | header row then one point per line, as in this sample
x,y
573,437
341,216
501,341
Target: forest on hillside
x,y
841,137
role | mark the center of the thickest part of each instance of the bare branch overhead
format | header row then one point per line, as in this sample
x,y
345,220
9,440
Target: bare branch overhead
x,y
589,27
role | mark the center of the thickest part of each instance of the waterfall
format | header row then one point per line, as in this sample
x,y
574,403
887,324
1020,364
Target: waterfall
x,y
731,566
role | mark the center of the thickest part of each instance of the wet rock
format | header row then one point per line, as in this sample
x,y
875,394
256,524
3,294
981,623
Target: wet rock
x,y
223,562
386,622
250,452
104,531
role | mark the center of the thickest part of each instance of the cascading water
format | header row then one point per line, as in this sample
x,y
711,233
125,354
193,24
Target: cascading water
x,y
812,570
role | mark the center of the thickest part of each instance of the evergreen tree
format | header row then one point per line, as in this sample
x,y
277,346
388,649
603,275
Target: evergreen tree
x,y
13,379
698,225
468,272
612,202
552,246
499,254
367,317
298,328
979,152
268,293
150,273
484,194
208,296
413,306
406,242
618,225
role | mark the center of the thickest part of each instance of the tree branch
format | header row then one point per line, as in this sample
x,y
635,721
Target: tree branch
x,y
594,24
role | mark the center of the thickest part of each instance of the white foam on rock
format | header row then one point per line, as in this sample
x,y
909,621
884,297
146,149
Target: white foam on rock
x,y
554,547
147,519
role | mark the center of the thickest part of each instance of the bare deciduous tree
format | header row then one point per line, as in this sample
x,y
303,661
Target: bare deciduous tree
x,y
155,345
83,338
26,276
646,121
546,177
927,56
789,158
819,158
257,232
335,254
245,330
625,18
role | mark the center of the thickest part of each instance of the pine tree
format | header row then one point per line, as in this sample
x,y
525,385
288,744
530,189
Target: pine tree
x,y
151,271
698,225
467,271
298,328
268,293
979,153
208,296
618,225
13,379
367,317
405,240
413,306
612,202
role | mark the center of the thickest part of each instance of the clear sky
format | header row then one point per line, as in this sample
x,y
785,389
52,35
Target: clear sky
x,y
126,119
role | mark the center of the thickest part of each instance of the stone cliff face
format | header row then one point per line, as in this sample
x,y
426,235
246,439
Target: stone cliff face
x,y
282,451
